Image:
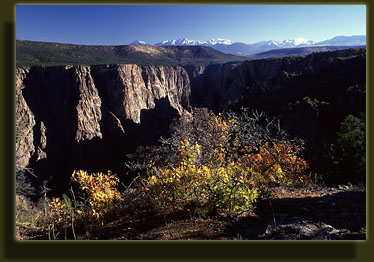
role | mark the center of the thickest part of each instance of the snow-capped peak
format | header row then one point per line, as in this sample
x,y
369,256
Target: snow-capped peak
x,y
288,43
185,41
138,42
302,41
219,41
299,41
225,45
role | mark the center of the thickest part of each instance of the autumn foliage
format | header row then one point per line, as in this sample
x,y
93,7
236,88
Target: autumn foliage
x,y
212,164
101,193
216,171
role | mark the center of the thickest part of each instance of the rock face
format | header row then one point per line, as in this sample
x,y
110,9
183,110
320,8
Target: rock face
x,y
90,116
272,83
26,121
311,95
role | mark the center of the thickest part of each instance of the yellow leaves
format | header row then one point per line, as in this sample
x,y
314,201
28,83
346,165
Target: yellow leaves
x,y
151,164
231,177
58,212
189,181
102,191
152,180
102,195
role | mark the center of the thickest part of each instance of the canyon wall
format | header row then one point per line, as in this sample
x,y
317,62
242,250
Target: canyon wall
x,y
311,95
89,117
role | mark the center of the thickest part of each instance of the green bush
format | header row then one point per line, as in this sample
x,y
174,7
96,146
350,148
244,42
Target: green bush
x,y
344,161
350,150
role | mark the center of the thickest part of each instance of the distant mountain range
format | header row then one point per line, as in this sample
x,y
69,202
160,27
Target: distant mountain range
x,y
224,45
299,51
31,53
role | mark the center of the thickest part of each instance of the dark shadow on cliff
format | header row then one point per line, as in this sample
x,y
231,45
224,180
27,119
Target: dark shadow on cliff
x,y
206,82
52,97
109,152
157,121
311,95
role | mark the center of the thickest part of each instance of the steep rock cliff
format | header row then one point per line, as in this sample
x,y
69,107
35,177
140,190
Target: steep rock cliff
x,y
90,116
311,95
257,83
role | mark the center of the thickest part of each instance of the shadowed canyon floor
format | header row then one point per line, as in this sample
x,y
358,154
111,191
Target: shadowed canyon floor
x,y
313,213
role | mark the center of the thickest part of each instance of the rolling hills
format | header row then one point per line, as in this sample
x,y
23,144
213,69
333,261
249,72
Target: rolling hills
x,y
30,53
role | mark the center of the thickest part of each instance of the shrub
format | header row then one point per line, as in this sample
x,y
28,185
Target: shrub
x,y
349,153
59,213
102,191
221,164
344,161
102,197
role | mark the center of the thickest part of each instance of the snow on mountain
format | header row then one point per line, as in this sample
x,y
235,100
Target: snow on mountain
x,y
303,41
186,42
288,43
220,41
182,42
139,42
225,45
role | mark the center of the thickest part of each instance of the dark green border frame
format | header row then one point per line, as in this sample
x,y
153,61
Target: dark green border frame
x,y
11,250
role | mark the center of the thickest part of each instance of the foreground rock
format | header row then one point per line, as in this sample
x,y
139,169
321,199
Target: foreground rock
x,y
325,213
308,230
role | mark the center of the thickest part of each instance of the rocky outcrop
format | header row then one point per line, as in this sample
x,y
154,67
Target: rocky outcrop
x,y
340,213
25,123
90,116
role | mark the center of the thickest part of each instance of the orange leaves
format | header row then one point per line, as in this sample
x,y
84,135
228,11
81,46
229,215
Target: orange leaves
x,y
276,162
231,177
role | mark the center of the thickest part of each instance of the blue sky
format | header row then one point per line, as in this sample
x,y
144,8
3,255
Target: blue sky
x,y
117,25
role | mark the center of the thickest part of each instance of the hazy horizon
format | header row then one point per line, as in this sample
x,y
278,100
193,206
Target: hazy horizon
x,y
121,25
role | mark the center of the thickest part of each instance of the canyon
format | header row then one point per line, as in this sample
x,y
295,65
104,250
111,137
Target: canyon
x,y
90,116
